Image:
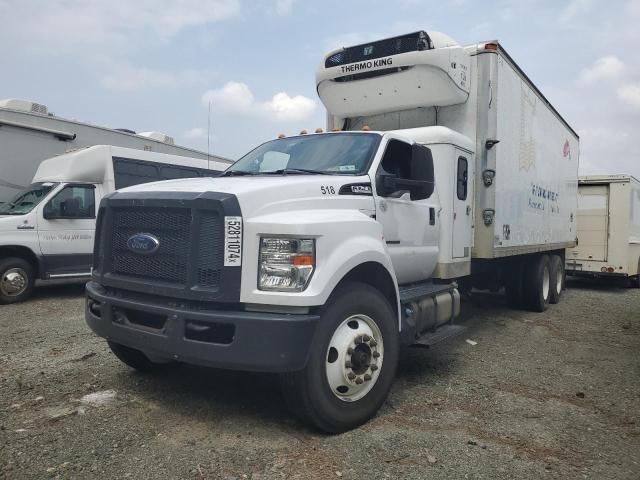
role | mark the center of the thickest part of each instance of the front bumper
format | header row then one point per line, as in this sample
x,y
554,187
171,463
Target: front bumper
x,y
237,340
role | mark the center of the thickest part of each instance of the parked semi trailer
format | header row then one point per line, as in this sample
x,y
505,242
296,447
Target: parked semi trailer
x,y
47,230
318,256
608,243
29,134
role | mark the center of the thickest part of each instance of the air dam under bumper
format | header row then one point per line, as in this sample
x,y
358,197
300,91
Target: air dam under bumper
x,y
237,340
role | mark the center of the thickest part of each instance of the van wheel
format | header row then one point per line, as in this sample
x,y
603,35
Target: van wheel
x,y
135,358
538,283
16,280
557,279
352,362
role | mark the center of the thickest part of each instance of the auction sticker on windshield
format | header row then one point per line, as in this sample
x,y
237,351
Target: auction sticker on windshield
x,y
232,241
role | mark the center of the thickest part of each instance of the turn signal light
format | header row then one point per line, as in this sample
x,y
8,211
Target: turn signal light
x,y
610,269
300,260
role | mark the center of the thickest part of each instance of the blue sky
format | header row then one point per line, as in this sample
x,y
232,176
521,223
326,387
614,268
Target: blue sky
x,y
154,65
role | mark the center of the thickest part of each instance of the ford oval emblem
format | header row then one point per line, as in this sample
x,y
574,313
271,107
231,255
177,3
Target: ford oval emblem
x,y
143,243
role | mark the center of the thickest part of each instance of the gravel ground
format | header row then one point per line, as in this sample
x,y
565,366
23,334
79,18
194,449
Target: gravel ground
x,y
551,395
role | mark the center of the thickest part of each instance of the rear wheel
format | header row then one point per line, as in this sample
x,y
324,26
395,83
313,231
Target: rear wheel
x,y
352,363
557,278
537,283
135,358
17,278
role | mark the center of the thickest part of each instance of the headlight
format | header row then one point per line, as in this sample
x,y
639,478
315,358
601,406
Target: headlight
x,y
286,264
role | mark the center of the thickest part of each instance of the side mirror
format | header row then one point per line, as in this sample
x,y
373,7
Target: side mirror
x,y
48,212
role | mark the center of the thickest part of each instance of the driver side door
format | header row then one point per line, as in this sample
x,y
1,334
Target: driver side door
x,y
66,229
409,224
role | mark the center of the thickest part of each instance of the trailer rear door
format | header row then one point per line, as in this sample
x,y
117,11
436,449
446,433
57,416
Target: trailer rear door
x,y
593,222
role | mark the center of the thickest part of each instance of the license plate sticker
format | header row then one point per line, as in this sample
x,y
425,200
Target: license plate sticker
x,y
232,241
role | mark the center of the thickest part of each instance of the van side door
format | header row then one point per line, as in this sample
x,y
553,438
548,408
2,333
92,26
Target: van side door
x,y
66,230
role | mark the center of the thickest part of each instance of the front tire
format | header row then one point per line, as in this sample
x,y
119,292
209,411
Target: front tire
x,y
17,279
352,363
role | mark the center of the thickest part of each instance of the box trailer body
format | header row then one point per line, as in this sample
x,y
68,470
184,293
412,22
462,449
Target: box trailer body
x,y
608,228
29,134
317,256
526,155
47,231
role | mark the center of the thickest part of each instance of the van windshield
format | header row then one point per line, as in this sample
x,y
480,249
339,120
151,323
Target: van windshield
x,y
26,200
324,154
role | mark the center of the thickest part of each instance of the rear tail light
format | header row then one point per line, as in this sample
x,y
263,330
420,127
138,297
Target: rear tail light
x,y
610,269
491,46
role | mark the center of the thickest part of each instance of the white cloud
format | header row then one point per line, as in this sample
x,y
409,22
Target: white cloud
x,y
236,97
605,68
195,133
574,10
630,94
55,26
233,97
284,7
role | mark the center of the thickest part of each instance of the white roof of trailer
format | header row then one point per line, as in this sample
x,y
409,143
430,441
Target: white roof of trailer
x,y
92,164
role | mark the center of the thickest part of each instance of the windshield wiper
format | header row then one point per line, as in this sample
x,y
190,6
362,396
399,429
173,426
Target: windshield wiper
x,y
236,173
285,171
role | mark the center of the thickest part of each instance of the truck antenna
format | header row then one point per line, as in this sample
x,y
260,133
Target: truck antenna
x,y
209,137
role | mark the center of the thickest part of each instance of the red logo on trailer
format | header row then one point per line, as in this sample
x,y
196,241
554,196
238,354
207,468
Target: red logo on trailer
x,y
566,150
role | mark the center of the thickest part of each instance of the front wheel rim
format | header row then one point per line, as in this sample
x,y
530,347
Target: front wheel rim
x,y
354,358
14,282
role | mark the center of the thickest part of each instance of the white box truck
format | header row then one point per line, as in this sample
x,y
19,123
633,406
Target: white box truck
x,y
318,256
608,243
47,230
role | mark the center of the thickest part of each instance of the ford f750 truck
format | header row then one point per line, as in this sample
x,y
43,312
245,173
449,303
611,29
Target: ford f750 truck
x,y
318,256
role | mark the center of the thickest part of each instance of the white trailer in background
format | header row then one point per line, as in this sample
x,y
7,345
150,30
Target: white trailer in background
x,y
608,229
47,230
29,134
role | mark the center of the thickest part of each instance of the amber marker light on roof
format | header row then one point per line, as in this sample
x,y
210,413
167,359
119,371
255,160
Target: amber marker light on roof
x,y
319,130
303,132
282,135
366,128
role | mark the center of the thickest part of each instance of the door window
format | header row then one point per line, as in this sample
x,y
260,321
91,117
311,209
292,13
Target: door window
x,y
462,178
397,160
73,201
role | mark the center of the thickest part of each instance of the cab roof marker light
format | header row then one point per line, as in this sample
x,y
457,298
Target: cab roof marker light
x,y
319,130
303,132
282,135
335,129
366,128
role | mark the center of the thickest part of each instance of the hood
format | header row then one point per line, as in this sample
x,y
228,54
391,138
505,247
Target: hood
x,y
263,195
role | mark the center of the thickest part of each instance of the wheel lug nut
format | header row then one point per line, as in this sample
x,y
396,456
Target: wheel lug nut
x,y
359,381
351,376
366,338
349,350
347,364
374,368
373,343
367,377
376,354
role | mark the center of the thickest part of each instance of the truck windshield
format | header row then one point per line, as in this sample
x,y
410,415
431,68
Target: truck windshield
x,y
328,154
26,200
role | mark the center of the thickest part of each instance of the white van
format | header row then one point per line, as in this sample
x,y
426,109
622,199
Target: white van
x,y
47,230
